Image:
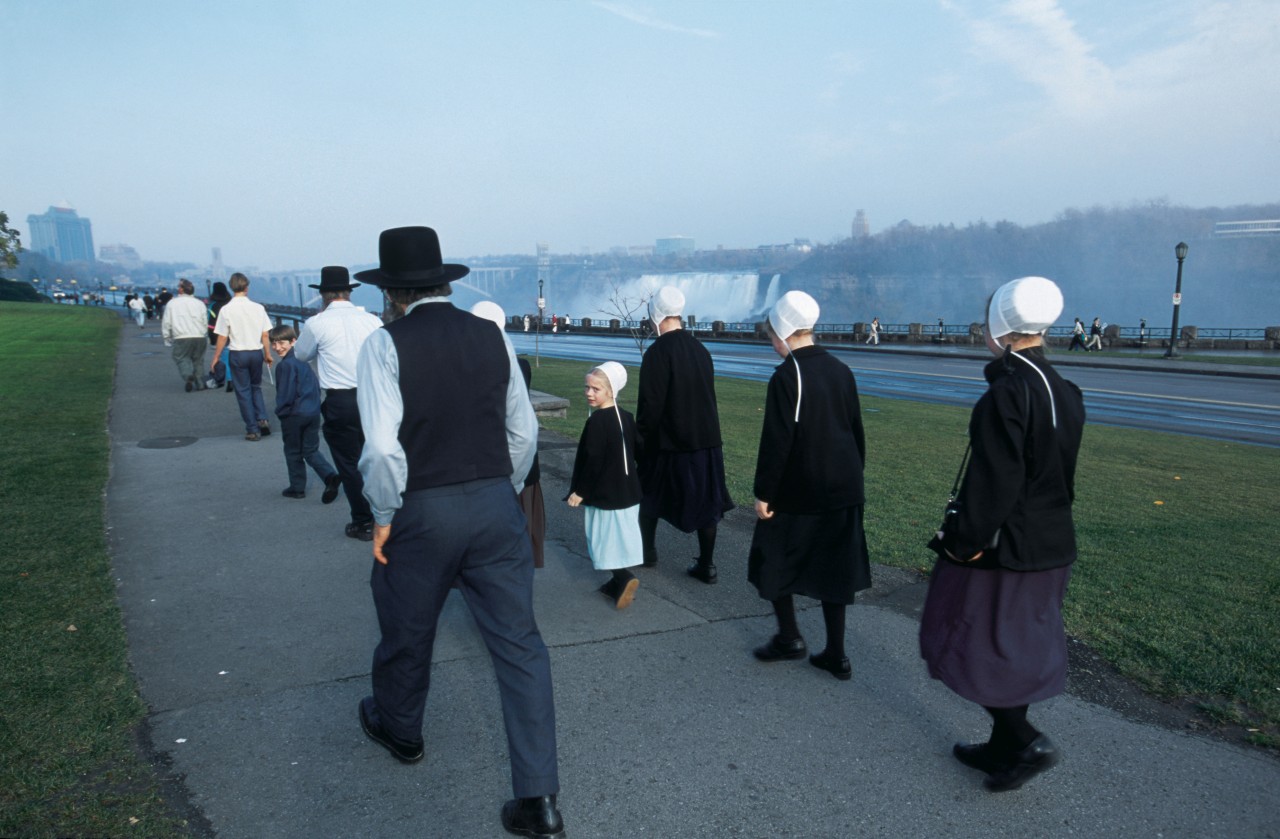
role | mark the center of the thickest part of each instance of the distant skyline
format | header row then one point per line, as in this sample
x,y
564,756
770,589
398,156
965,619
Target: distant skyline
x,y
290,133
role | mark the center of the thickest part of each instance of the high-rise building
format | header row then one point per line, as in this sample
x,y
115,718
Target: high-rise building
x,y
61,235
674,244
861,228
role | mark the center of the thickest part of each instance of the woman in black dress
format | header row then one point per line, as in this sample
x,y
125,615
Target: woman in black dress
x,y
808,538
992,624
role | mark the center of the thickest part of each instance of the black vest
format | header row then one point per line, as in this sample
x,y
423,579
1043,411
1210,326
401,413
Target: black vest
x,y
454,373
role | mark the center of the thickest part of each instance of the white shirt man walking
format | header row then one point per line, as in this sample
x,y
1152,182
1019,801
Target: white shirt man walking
x,y
184,327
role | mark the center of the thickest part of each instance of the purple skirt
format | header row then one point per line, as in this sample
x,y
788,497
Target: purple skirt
x,y
686,489
994,636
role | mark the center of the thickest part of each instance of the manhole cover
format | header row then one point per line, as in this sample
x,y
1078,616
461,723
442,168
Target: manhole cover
x,y
166,442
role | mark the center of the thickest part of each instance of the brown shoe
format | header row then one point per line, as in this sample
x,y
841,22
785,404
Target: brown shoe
x,y
251,437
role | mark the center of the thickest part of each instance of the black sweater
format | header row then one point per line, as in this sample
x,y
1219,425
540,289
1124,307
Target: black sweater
x,y
676,407
604,470
813,465
1020,481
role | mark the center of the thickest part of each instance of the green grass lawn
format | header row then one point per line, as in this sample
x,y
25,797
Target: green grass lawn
x,y
68,766
1178,579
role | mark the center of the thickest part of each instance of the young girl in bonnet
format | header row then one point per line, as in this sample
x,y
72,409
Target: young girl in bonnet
x,y
606,485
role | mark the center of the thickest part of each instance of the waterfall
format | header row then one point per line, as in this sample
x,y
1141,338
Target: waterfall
x,y
734,297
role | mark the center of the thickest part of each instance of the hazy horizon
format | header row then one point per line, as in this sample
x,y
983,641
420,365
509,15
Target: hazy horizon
x,y
289,134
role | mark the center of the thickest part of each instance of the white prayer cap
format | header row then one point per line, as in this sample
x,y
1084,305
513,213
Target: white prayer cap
x,y
1029,305
491,311
667,302
794,310
615,373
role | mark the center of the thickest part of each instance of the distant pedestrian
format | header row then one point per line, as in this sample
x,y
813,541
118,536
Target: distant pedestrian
x,y
808,538
942,331
162,300
298,409
138,309
681,460
242,327
606,484
218,298
441,475
992,626
873,334
526,323
1095,335
1077,337
333,338
149,303
183,327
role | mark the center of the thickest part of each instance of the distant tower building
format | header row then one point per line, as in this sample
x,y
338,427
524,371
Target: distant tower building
x,y
673,244
61,235
216,269
861,229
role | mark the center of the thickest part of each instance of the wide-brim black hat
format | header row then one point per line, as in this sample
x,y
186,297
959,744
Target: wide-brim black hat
x,y
335,278
409,257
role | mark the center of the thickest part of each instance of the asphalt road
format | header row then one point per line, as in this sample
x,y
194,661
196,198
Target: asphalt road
x,y
1217,404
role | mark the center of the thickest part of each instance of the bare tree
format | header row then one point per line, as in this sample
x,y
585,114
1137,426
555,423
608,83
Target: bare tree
x,y
630,309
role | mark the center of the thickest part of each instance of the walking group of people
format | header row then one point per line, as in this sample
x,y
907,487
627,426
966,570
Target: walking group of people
x,y
1094,340
440,484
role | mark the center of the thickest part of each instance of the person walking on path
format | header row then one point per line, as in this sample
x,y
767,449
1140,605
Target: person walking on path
x,y
531,501
183,327
873,334
992,627
242,327
681,461
808,536
138,309
218,298
298,409
333,338
1077,337
1095,335
606,484
441,476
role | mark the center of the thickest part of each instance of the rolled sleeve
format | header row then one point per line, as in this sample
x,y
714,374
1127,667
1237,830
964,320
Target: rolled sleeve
x,y
382,462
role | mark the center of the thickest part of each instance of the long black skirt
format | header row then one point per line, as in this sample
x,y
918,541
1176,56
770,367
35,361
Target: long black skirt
x,y
995,636
686,489
820,555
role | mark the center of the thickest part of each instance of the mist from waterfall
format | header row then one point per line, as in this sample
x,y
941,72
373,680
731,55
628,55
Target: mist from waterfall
x,y
733,297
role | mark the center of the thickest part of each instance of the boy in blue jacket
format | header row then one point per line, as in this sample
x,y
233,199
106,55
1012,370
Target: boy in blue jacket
x,y
298,408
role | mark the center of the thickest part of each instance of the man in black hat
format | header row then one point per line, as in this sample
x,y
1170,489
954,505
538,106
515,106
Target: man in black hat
x,y
334,337
449,438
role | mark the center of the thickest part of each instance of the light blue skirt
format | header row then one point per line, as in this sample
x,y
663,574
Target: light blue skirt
x,y
613,537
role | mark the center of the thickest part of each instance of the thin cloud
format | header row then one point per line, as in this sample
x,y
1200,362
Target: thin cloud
x,y
1039,42
635,16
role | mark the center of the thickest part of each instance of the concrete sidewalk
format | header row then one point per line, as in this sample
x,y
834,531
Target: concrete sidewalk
x,y
251,630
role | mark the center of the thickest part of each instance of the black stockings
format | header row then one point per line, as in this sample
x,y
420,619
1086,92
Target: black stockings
x,y
833,614
1010,731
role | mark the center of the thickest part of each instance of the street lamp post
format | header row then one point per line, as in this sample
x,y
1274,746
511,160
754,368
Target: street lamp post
x,y
1181,252
537,335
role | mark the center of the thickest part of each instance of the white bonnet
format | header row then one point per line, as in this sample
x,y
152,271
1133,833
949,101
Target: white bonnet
x,y
794,310
1029,305
490,311
615,373
666,302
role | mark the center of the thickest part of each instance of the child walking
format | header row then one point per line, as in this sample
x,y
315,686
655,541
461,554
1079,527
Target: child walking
x,y
605,484
808,486
298,407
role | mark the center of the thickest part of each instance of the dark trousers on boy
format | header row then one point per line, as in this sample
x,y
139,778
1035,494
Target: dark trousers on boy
x,y
301,437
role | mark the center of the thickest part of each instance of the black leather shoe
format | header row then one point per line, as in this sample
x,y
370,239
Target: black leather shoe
x,y
294,493
837,666
191,383
331,486
535,817
264,429
706,573
363,532
980,756
780,650
1025,765
400,750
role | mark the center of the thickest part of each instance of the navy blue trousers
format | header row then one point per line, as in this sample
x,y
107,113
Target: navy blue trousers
x,y
301,437
472,534
246,375
345,436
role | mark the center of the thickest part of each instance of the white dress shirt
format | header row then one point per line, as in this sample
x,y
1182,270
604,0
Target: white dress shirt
x,y
334,337
382,463
243,322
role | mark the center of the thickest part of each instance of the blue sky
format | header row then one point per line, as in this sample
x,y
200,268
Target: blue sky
x,y
291,133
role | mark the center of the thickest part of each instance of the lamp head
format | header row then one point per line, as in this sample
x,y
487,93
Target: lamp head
x,y
1181,250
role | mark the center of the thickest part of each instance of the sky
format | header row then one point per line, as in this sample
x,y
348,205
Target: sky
x,y
290,133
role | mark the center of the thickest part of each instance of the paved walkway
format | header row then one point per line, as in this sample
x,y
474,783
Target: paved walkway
x,y
251,630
